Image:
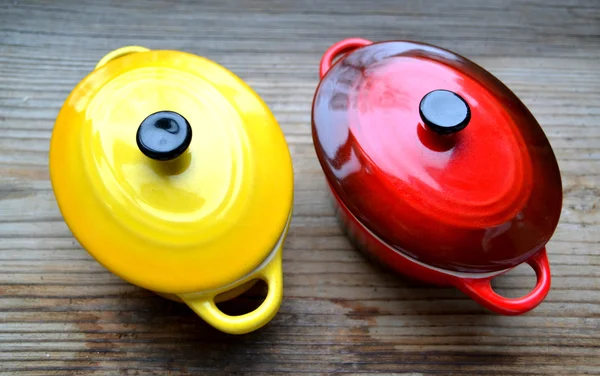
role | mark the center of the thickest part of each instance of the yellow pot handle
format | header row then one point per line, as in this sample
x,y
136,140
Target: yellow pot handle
x,y
119,52
206,308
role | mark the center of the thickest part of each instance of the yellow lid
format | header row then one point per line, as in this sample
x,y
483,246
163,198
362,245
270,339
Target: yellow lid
x,y
198,221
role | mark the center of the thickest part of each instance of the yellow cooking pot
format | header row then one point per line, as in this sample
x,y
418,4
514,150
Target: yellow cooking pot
x,y
175,176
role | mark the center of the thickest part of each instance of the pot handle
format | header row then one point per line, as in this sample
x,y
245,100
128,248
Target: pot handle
x,y
119,52
207,309
345,45
481,290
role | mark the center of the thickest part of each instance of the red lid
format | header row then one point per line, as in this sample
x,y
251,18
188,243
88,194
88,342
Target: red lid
x,y
436,157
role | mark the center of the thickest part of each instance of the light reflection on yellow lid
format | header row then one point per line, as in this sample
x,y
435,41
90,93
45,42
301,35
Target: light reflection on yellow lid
x,y
198,222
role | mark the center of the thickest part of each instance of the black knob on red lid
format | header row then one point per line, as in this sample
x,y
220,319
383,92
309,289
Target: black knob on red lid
x,y
164,135
444,111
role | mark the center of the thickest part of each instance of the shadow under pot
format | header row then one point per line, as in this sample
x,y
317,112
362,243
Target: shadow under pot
x,y
436,168
175,176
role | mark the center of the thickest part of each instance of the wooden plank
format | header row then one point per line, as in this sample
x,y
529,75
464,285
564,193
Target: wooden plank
x,y
61,313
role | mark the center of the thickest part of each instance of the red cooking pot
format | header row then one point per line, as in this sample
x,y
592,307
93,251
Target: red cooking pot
x,y
437,169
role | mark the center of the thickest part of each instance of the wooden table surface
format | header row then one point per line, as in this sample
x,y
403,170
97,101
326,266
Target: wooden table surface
x,y
61,313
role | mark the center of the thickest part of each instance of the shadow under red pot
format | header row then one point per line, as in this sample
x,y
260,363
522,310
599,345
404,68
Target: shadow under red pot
x,y
438,170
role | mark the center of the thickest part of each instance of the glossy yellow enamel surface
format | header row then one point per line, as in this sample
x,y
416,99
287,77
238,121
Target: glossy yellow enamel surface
x,y
197,223
120,52
206,308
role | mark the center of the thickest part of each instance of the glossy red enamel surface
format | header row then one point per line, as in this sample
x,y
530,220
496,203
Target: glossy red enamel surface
x,y
479,289
483,199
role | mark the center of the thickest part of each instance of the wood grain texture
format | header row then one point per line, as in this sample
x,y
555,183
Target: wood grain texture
x,y
63,314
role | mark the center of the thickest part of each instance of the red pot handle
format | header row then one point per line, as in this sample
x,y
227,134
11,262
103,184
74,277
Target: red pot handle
x,y
481,290
345,45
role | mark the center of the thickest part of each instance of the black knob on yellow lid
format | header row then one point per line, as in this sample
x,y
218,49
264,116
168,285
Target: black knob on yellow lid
x,y
164,135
